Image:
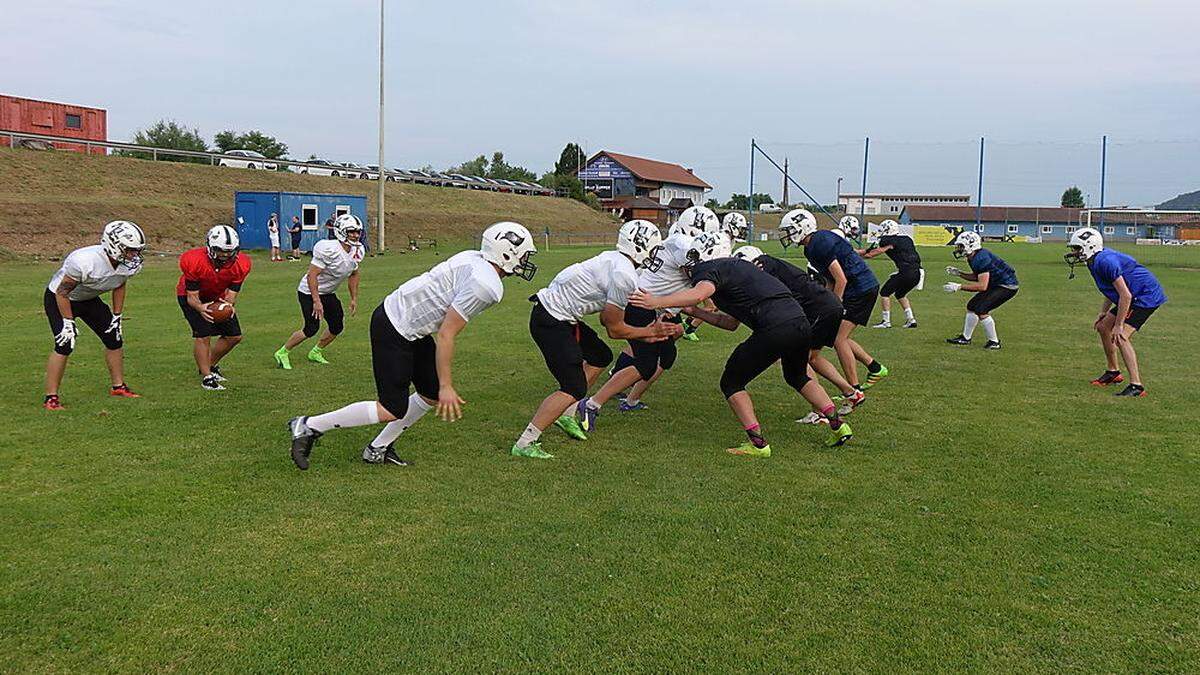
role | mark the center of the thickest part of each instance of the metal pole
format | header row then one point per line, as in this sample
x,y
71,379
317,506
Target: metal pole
x,y
382,166
838,200
862,201
750,193
1103,172
979,196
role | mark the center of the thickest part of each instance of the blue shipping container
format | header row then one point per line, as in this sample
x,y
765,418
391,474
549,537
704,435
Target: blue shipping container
x,y
253,209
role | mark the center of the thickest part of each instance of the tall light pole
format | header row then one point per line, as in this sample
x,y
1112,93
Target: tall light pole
x,y
838,200
382,166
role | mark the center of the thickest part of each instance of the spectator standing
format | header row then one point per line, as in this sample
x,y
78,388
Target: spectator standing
x,y
273,234
296,231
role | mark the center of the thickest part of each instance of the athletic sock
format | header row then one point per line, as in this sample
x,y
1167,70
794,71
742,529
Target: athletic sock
x,y
756,437
417,407
591,405
829,412
908,315
529,436
969,324
989,327
631,402
887,316
354,415
874,367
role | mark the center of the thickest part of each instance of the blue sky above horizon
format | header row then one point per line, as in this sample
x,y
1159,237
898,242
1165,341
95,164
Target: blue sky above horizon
x,y
689,82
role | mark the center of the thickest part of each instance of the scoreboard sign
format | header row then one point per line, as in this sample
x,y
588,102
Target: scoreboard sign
x,y
603,187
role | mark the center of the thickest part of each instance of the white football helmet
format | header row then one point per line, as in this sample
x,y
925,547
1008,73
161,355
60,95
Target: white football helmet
x,y
795,227
1084,244
708,246
695,221
223,244
734,226
638,239
124,242
849,226
344,225
889,228
967,243
748,253
509,246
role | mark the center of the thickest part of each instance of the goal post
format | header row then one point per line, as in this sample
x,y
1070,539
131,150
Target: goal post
x,y
1166,237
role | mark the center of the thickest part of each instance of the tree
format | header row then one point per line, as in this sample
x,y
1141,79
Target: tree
x,y
171,135
740,202
570,161
712,203
496,168
570,184
475,167
267,146
1072,197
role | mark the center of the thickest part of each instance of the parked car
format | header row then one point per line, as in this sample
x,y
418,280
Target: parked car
x,y
400,175
249,160
770,208
325,168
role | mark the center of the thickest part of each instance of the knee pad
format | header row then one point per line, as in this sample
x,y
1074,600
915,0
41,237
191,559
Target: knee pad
x,y
598,355
335,326
575,387
731,385
64,350
310,327
667,354
623,361
646,364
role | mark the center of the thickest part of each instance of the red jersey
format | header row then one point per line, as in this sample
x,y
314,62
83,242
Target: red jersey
x,y
198,269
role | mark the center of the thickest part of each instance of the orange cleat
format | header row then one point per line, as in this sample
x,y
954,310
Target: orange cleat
x,y
123,391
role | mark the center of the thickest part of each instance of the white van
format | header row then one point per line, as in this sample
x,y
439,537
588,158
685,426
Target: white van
x,y
770,208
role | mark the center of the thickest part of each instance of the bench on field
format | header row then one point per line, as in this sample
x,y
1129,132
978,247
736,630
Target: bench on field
x,y
418,243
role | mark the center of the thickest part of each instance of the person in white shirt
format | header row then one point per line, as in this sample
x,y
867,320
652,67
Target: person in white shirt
x,y
573,352
333,262
273,233
74,293
412,343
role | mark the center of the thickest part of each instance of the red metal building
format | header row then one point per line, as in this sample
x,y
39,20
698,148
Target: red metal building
x,y
53,119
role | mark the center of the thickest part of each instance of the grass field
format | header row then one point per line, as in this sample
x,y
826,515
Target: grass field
x,y
993,512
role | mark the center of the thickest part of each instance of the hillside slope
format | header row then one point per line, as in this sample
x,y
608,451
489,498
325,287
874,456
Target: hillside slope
x,y
1188,201
51,202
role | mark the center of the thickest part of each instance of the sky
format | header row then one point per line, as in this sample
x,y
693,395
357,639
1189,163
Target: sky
x,y
686,82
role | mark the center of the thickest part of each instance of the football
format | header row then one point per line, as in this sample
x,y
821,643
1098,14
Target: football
x,y
220,311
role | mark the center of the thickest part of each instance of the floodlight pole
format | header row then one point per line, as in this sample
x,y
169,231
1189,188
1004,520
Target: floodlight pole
x,y
1103,173
382,166
862,198
750,193
979,194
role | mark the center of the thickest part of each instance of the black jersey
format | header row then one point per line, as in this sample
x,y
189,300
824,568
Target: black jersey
x,y
812,296
747,293
902,252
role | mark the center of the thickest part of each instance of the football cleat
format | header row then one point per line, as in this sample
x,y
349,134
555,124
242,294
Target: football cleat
x,y
585,416
748,449
317,355
123,391
1109,377
992,344
211,383
283,358
303,440
813,417
216,371
626,406
843,397
839,436
691,337
570,425
960,340
910,324
851,402
1133,390
874,378
883,324
385,455
533,450
53,403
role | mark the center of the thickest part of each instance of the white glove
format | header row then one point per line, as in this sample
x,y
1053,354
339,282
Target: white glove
x,y
66,337
114,327
951,269
951,287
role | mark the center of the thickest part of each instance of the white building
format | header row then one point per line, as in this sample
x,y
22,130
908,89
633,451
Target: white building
x,y
893,204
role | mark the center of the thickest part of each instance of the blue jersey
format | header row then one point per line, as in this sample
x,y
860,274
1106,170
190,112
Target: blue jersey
x,y
825,246
1108,265
999,272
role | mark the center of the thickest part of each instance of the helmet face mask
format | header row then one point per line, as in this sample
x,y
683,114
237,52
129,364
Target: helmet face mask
x,y
124,243
510,247
1083,245
223,245
795,227
850,226
346,225
637,239
735,226
966,244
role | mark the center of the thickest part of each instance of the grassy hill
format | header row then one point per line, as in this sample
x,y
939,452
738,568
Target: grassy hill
x,y
55,201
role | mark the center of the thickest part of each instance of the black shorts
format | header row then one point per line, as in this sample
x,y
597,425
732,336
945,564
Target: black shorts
x,y
1137,315
92,312
824,322
202,328
858,308
900,283
334,317
648,357
398,362
986,301
787,343
566,347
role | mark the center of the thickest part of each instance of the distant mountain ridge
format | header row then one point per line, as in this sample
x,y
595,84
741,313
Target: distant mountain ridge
x,y
1188,201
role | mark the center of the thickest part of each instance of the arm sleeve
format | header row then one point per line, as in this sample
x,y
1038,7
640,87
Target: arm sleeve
x,y
1108,270
320,256
710,273
619,287
243,271
471,298
980,262
72,268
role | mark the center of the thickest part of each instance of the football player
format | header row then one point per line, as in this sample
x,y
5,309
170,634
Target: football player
x,y
210,273
735,226
907,276
573,352
992,280
1131,294
333,261
851,230
780,332
74,293
851,280
694,221
413,332
824,313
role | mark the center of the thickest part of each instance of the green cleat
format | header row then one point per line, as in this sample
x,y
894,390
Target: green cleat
x,y
748,449
283,358
839,436
317,355
533,450
571,425
874,378
691,337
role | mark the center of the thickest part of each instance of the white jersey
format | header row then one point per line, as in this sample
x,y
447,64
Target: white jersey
x,y
94,271
585,287
336,265
465,282
670,277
